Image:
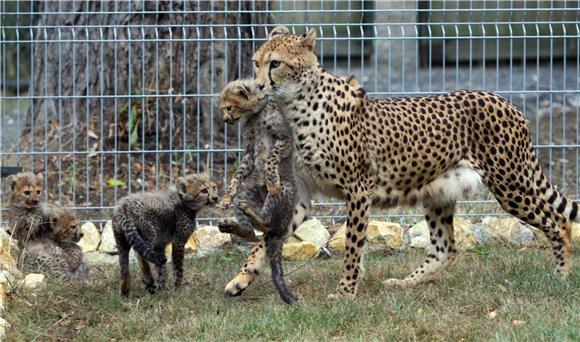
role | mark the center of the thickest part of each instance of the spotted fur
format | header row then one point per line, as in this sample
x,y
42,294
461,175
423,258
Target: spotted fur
x,y
426,150
149,221
264,180
27,216
57,254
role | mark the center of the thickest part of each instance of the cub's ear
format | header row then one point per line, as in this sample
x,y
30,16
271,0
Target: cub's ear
x,y
11,181
244,91
181,185
309,39
40,178
277,31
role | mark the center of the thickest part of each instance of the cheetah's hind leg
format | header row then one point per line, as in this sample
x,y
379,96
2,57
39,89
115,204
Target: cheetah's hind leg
x,y
441,249
259,222
233,227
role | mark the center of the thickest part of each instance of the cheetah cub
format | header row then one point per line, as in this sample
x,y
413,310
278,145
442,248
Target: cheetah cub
x,y
264,180
26,215
57,253
149,221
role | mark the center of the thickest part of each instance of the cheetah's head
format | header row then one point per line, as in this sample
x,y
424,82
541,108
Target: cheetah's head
x,y
66,225
25,189
241,98
197,191
285,61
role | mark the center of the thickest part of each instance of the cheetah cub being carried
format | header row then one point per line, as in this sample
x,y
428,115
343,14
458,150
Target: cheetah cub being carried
x,y
149,221
266,198
57,254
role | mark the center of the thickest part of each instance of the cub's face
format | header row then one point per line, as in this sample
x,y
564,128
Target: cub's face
x,y
284,61
197,191
241,98
25,189
66,226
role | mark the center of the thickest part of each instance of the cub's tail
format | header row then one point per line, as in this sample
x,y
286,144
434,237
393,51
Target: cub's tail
x,y
122,222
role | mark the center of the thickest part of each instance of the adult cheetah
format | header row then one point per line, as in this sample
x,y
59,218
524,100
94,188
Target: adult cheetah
x,y
425,150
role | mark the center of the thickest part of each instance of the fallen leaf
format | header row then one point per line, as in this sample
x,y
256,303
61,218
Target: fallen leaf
x,y
518,323
502,288
115,182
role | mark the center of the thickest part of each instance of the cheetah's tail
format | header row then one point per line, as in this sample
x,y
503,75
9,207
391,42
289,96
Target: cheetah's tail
x,y
563,205
136,241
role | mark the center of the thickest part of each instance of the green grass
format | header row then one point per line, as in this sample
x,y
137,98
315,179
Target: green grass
x,y
455,307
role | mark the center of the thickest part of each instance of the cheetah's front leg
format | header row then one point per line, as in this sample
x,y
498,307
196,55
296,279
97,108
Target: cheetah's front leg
x,y
356,233
441,249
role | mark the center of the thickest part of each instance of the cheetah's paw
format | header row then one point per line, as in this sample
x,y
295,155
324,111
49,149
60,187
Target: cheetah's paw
x,y
237,285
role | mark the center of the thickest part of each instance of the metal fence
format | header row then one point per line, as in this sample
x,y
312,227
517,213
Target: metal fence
x,y
111,97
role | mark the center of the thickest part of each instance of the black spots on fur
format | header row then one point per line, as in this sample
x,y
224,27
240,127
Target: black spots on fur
x,y
361,227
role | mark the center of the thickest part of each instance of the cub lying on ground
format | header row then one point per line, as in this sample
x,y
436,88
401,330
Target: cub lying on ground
x,y
56,254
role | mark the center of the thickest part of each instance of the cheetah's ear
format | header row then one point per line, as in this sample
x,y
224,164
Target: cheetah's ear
x,y
181,185
309,39
11,181
278,31
40,178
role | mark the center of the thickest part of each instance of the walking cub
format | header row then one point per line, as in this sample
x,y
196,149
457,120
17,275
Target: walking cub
x,y
149,221
264,180
57,254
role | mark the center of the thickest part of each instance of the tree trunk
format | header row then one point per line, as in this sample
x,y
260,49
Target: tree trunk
x,y
133,76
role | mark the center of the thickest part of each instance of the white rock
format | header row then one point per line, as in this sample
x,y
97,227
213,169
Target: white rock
x,y
91,238
385,233
3,326
191,245
299,251
463,235
464,238
576,232
312,231
33,281
96,258
510,230
481,234
419,235
211,237
108,244
2,299
337,241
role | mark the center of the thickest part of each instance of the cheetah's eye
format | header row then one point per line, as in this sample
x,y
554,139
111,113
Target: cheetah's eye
x,y
204,191
38,192
256,64
274,64
229,108
27,193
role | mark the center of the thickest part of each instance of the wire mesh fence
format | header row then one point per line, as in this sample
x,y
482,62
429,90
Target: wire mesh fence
x,y
112,97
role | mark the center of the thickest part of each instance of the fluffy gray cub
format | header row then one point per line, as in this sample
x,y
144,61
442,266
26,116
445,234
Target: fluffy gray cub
x,y
264,180
149,221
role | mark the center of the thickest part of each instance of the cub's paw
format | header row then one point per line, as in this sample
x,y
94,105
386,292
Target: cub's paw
x,y
244,206
225,202
273,186
237,285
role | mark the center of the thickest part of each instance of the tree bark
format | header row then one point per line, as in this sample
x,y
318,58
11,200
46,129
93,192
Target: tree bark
x,y
134,75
